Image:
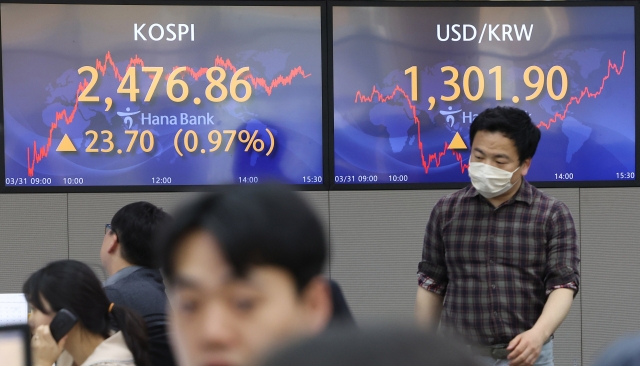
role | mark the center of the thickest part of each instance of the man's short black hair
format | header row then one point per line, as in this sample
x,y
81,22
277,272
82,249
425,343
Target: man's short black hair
x,y
514,124
254,225
374,347
136,226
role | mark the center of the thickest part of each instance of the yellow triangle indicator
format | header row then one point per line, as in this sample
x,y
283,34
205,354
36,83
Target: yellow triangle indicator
x,y
457,143
66,145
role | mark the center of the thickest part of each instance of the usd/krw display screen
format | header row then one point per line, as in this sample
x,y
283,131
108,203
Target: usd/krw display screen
x,y
408,82
122,95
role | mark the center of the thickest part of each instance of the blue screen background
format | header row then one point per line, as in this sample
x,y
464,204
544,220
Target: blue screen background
x,y
378,128
43,46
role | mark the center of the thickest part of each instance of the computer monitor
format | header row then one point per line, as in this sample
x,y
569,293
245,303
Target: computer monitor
x,y
409,79
14,309
235,97
14,345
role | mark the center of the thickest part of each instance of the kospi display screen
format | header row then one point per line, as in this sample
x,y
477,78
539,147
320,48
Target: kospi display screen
x,y
133,95
408,82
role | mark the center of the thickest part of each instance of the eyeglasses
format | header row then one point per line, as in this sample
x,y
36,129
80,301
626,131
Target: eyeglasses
x,y
107,228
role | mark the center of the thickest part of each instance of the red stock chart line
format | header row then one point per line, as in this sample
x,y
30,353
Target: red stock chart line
x,y
102,67
584,93
435,157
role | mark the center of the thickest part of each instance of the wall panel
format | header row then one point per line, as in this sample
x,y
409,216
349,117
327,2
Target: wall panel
x,y
319,201
567,345
610,266
33,232
377,244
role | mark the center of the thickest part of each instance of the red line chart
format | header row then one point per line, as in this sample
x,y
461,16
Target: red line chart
x,y
437,156
584,93
42,152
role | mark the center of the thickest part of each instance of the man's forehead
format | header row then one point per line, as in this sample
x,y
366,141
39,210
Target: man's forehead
x,y
198,260
263,278
199,263
492,143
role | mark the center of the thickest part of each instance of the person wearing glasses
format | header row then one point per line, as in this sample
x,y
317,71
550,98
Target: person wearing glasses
x,y
134,279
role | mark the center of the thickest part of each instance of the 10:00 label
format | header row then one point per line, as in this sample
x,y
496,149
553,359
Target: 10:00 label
x,y
73,181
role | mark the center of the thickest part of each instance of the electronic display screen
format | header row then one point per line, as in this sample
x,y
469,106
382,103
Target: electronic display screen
x,y
133,95
13,348
408,81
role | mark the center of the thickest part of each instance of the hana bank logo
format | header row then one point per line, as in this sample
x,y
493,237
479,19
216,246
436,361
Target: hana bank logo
x,y
126,116
449,114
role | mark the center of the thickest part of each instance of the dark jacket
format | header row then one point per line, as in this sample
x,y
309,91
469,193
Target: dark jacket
x,y
143,292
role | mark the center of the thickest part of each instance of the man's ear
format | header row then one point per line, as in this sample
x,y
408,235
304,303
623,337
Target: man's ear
x,y
113,246
317,300
524,168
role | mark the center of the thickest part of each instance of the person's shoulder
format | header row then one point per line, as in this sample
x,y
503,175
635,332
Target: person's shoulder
x,y
554,204
113,351
147,273
146,278
114,293
452,199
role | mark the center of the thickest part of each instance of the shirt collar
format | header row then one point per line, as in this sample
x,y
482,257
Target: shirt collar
x,y
120,275
112,350
524,193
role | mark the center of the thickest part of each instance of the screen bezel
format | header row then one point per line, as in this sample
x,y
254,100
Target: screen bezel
x,y
186,188
457,185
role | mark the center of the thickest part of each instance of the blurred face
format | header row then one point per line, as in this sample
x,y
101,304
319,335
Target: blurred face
x,y
219,319
38,318
495,149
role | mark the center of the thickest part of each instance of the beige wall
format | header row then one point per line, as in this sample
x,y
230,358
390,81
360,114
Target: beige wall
x,y
376,239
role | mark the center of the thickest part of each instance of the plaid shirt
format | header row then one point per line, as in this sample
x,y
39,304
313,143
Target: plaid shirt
x,y
496,266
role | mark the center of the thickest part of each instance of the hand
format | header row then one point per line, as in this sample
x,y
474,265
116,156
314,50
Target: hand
x,y
525,348
45,349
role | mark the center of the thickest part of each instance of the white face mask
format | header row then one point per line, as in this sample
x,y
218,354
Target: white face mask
x,y
490,181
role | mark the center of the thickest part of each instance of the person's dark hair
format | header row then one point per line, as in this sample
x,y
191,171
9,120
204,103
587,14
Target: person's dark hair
x,y
623,352
136,226
72,285
374,347
254,225
514,124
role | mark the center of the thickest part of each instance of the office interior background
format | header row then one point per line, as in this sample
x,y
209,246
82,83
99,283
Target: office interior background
x,y
375,243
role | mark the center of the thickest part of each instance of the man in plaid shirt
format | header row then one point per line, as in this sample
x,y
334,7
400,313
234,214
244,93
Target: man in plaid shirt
x,y
500,258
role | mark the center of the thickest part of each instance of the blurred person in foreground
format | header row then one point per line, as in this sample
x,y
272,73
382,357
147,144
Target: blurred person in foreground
x,y
72,285
243,270
374,347
127,254
502,253
624,352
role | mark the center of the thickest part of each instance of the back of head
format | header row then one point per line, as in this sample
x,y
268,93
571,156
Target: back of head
x,y
72,285
514,124
624,352
136,226
255,225
374,347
